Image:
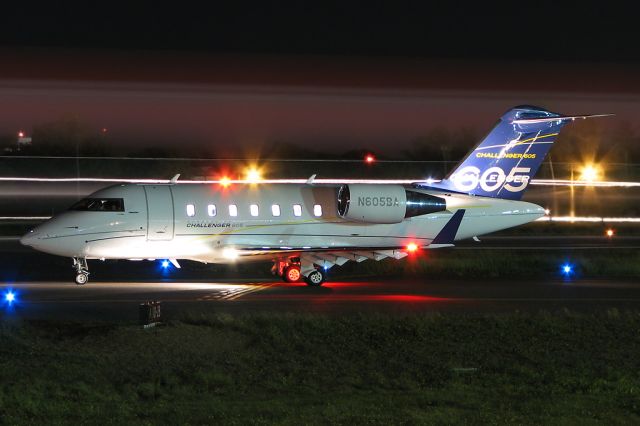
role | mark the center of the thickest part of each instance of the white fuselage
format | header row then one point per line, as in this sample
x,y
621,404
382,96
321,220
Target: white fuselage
x,y
177,221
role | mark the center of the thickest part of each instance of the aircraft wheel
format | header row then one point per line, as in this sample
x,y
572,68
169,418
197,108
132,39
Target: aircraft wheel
x,y
82,278
292,274
315,278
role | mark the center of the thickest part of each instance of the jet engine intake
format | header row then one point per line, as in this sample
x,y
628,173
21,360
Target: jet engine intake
x,y
385,203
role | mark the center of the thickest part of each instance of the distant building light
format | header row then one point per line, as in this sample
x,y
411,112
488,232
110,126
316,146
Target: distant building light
x,y
369,158
610,233
23,139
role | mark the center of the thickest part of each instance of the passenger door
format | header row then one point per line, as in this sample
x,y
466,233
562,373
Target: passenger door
x,y
160,216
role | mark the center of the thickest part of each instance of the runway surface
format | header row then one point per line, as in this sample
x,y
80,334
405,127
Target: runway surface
x,y
119,300
44,288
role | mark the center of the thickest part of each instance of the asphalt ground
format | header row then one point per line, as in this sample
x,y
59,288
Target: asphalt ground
x,y
120,300
44,288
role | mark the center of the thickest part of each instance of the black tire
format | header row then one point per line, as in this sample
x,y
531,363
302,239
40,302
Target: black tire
x,y
82,278
315,278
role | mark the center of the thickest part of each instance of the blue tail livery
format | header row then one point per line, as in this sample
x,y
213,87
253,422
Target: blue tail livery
x,y
504,162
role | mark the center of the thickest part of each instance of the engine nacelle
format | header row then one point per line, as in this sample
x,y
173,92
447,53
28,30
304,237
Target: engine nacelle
x,y
385,203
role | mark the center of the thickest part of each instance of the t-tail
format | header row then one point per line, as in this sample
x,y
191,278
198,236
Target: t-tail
x,y
505,161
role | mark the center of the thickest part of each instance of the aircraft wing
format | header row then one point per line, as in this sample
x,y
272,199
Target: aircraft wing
x,y
330,256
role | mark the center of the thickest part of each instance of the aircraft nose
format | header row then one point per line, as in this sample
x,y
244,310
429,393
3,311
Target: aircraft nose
x,y
29,238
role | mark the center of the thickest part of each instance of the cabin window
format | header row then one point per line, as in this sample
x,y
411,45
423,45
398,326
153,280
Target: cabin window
x,y
317,210
297,210
275,210
191,210
99,205
211,210
233,210
254,210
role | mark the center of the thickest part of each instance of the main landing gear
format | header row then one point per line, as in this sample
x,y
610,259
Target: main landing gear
x,y
82,270
292,271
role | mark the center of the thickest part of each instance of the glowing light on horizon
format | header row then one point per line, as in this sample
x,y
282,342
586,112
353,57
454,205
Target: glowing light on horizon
x,y
369,158
253,175
590,173
610,233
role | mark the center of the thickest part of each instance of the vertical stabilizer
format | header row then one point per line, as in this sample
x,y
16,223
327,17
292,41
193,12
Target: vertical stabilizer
x,y
504,162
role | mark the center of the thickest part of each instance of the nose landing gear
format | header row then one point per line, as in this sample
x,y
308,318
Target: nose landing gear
x,y
82,270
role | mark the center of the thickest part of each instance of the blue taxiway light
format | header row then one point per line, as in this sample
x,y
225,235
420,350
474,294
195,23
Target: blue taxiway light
x,y
567,269
9,297
165,264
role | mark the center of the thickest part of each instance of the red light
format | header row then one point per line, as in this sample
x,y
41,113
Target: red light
x,y
21,134
412,247
610,233
369,158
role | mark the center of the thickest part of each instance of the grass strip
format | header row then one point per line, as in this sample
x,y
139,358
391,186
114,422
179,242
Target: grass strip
x,y
558,367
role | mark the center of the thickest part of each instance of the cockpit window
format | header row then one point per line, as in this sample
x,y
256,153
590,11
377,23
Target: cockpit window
x,y
99,205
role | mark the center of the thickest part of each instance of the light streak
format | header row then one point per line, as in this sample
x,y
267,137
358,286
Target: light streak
x,y
593,219
225,182
25,217
542,219
568,182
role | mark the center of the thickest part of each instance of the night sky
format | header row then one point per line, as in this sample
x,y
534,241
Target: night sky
x,y
234,78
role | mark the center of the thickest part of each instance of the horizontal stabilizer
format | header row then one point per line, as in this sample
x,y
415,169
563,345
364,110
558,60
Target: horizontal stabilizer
x,y
560,118
448,234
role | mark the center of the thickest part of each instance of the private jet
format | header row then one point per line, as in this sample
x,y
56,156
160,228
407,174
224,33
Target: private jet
x,y
307,228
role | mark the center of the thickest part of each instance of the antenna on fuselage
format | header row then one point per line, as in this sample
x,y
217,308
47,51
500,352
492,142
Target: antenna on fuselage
x,y
174,179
